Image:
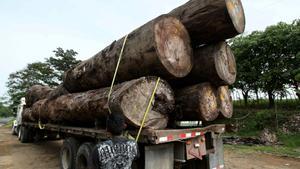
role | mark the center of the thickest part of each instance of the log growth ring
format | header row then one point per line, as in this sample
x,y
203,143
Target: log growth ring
x,y
208,103
173,46
226,106
225,64
135,101
237,15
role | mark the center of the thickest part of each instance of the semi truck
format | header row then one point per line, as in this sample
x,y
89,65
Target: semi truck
x,y
187,145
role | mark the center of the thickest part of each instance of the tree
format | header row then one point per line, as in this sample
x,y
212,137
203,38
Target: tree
x,y
5,111
62,61
268,60
245,50
43,73
279,45
297,80
34,73
294,47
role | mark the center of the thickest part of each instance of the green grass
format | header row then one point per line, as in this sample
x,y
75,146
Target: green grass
x,y
290,140
285,104
9,124
290,145
251,121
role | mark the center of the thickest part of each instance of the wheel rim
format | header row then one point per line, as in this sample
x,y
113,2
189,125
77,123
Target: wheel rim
x,y
82,162
19,133
66,158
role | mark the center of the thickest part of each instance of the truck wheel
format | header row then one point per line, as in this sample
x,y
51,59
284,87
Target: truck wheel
x,y
19,133
68,153
13,130
25,135
194,164
83,157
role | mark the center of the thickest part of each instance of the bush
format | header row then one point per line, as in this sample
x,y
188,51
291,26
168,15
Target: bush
x,y
5,111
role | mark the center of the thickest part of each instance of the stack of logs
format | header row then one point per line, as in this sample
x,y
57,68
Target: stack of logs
x,y
185,47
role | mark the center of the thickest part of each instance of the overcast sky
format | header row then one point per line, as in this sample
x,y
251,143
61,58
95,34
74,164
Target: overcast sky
x,y
30,30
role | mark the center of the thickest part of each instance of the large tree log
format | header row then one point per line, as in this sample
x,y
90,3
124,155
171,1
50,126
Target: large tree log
x,y
224,101
58,91
130,98
197,102
211,20
27,115
160,47
35,93
214,63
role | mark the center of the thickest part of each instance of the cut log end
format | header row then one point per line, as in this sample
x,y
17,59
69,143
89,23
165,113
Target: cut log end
x,y
236,13
135,102
208,103
225,64
173,46
225,101
197,102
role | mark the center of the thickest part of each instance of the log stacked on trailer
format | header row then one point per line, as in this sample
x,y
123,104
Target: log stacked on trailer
x,y
36,93
214,63
129,98
160,47
224,101
210,21
204,102
186,47
198,102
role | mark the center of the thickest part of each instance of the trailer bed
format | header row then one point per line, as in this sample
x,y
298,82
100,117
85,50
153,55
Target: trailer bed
x,y
147,136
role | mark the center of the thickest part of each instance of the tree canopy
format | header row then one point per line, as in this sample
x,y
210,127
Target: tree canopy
x,y
49,72
269,60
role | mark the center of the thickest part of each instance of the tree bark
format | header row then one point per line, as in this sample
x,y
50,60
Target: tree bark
x,y
214,63
35,93
160,47
27,115
225,101
130,98
245,94
296,87
197,102
298,95
211,20
58,91
271,99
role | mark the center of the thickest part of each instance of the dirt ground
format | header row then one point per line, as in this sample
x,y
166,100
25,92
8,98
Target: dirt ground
x,y
45,155
242,160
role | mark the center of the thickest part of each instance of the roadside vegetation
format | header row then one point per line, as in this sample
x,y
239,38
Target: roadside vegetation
x,y
250,121
5,110
268,65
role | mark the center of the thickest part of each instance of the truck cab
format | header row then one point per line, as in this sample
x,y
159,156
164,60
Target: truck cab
x,y
18,121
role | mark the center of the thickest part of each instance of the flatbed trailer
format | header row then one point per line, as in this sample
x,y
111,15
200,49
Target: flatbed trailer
x,y
181,148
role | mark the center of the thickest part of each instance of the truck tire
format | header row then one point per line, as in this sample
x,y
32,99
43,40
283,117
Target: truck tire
x,y
194,164
25,135
68,153
83,157
13,130
38,135
19,133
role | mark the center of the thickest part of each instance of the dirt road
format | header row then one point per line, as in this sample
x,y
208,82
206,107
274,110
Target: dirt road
x,y
14,155
237,159
45,155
